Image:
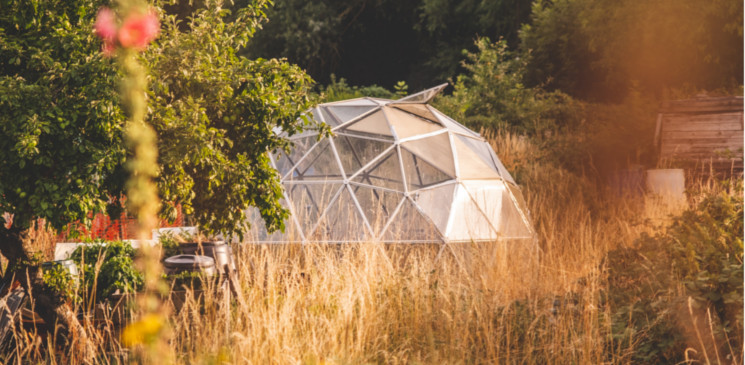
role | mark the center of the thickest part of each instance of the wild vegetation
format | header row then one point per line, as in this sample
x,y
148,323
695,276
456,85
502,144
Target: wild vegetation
x,y
563,95
613,282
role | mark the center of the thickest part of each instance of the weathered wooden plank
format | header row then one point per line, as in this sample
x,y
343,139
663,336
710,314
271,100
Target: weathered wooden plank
x,y
718,152
711,151
735,141
699,119
722,126
703,116
703,105
700,134
698,156
703,146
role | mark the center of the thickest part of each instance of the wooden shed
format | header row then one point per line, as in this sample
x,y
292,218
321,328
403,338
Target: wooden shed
x,y
703,131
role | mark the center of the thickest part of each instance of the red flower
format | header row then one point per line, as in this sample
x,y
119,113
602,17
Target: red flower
x,y
139,30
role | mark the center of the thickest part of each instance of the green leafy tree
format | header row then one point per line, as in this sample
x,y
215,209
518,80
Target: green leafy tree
x,y
447,27
60,132
356,39
216,115
597,49
61,138
492,94
556,48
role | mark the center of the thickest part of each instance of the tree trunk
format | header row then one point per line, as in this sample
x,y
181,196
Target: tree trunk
x,y
49,304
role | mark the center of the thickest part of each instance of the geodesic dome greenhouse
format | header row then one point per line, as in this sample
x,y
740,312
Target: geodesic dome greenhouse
x,y
394,171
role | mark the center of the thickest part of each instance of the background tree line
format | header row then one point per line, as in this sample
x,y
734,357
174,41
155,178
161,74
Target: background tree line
x,y
591,49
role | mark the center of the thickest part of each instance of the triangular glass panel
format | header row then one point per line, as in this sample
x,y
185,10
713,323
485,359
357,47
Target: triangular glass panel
x,y
379,101
355,152
353,102
284,162
346,113
502,170
374,125
488,196
517,194
319,164
480,148
522,206
309,201
453,125
419,110
410,225
423,96
436,204
407,125
384,172
470,164
513,224
328,118
420,173
434,150
468,222
377,205
342,222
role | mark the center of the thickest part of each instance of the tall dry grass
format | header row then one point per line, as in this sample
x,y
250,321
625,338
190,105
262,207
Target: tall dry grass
x,y
375,303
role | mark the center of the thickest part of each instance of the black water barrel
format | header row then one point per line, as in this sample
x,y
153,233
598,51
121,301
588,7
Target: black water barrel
x,y
218,250
189,263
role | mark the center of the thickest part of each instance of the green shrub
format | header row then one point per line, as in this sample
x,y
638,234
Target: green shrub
x,y
706,246
610,137
60,280
339,90
107,267
703,248
492,94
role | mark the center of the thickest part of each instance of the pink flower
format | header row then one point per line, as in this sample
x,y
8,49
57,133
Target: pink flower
x,y
106,29
139,30
105,24
108,48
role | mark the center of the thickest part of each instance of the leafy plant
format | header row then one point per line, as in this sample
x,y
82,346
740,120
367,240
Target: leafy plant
x,y
169,245
704,247
217,114
338,89
492,94
107,267
60,280
596,49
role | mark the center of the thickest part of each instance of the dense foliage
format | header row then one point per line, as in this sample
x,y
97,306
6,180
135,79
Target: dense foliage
x,y
382,41
492,94
596,49
703,249
107,268
592,49
60,120
217,113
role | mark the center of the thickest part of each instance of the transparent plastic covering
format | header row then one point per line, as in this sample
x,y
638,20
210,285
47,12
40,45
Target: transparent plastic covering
x,y
394,171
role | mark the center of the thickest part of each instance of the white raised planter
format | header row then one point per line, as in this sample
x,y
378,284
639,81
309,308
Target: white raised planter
x,y
668,183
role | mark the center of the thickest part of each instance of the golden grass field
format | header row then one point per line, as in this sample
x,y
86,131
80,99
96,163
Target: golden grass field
x,y
372,303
